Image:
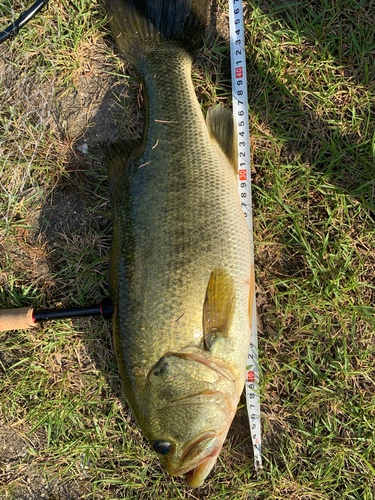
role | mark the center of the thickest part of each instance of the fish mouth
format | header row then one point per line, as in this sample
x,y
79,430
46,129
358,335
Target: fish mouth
x,y
196,476
203,453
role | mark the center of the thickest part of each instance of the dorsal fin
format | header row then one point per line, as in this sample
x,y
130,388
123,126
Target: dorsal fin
x,y
222,127
218,307
117,156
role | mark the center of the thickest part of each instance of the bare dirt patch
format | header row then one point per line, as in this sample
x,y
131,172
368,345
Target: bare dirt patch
x,y
28,482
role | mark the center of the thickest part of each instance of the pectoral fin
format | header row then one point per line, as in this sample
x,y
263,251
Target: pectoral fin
x,y
222,127
218,307
117,156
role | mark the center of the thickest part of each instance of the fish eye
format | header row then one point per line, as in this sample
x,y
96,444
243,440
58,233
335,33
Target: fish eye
x,y
162,447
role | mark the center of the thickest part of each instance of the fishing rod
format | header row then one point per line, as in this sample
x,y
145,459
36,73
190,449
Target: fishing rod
x,y
26,317
13,29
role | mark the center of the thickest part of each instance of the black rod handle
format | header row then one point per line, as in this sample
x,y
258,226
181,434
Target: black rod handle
x,y
48,314
104,309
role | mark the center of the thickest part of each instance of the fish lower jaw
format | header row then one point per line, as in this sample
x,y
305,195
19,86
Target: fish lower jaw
x,y
199,459
197,473
196,476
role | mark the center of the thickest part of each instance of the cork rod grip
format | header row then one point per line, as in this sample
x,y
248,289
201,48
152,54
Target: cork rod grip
x,y
16,319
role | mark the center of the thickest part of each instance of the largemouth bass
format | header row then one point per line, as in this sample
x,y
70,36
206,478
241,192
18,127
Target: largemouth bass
x,y
181,277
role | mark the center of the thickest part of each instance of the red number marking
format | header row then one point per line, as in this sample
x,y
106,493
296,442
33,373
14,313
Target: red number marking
x,y
239,72
250,376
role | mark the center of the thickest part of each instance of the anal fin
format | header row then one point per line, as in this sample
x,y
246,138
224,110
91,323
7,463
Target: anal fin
x,y
222,127
218,307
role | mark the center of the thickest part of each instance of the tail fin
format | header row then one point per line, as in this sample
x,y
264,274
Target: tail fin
x,y
139,26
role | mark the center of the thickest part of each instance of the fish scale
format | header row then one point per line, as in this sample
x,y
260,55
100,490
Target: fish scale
x,y
180,253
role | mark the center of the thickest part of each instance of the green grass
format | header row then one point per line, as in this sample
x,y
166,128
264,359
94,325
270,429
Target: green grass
x,y
311,77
